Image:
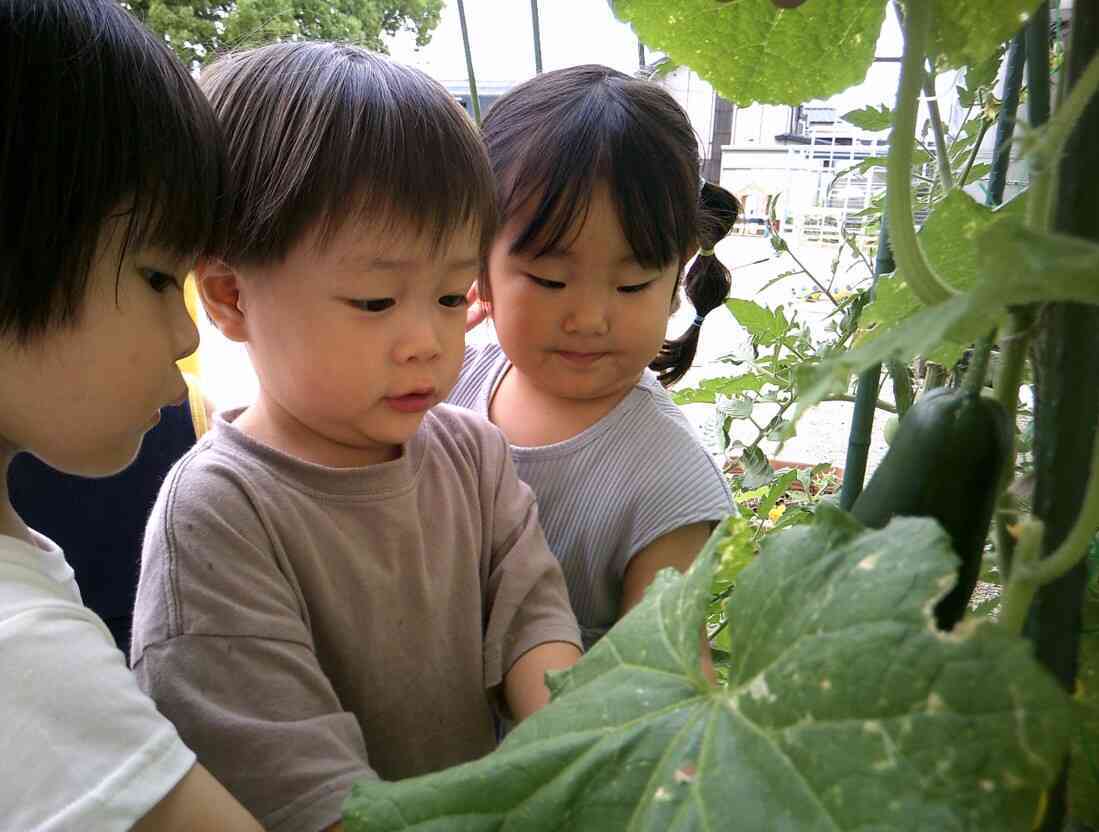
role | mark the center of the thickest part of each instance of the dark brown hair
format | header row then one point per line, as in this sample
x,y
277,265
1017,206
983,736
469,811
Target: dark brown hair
x,y
97,119
553,139
323,133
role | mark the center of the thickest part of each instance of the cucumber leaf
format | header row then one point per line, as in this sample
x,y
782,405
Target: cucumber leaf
x,y
846,709
752,51
965,33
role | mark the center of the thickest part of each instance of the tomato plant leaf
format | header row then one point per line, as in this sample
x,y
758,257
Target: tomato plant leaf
x,y
871,118
766,326
846,709
707,391
768,63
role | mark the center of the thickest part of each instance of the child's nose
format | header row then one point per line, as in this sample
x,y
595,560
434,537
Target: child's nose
x,y
590,316
419,342
184,333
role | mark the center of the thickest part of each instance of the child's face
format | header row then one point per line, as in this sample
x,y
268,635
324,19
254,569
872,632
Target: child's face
x,y
354,341
82,397
584,322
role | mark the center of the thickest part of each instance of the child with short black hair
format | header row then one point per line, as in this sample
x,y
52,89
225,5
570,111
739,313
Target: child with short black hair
x,y
110,164
342,579
603,207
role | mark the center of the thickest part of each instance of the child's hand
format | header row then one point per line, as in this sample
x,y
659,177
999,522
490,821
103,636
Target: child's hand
x,y
478,310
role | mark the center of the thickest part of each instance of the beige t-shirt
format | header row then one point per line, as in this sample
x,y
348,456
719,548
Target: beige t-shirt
x,y
305,626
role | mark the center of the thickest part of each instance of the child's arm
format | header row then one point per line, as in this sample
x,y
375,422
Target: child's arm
x,y
198,803
525,686
677,549
530,624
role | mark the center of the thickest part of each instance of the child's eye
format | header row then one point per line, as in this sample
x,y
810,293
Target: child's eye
x,y
372,304
635,287
452,301
159,281
546,284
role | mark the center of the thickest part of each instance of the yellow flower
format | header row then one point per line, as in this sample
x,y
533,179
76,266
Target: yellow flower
x,y
774,514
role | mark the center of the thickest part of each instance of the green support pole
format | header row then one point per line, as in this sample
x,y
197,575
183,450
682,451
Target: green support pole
x,y
474,101
537,37
866,397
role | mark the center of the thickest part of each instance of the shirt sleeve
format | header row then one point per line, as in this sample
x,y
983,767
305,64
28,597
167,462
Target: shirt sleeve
x,y
678,484
84,748
528,602
222,645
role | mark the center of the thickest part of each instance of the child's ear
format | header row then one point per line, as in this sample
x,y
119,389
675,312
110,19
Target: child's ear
x,y
219,288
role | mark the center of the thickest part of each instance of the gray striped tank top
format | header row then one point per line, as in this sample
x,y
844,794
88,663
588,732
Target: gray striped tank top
x,y
608,492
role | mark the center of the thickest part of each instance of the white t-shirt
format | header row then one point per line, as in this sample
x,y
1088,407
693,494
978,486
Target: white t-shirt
x,y
81,747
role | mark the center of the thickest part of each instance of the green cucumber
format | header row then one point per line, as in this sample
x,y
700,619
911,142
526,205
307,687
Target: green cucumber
x,y
945,462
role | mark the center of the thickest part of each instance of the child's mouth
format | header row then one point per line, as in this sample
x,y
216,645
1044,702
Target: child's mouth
x,y
582,359
415,402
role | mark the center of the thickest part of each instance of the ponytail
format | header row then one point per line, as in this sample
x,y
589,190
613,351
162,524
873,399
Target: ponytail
x,y
706,284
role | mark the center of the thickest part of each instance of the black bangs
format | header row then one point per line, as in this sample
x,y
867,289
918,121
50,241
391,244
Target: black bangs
x,y
321,133
557,137
100,121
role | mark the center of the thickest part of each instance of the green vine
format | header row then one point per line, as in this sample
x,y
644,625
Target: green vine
x,y
1031,571
911,262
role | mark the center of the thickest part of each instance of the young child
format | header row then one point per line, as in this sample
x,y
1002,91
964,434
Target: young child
x,y
110,162
602,204
341,580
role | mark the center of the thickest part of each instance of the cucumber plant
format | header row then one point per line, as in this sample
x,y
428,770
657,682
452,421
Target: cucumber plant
x,y
844,706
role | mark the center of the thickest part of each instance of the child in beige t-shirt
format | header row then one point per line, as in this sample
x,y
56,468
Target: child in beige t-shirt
x,y
344,578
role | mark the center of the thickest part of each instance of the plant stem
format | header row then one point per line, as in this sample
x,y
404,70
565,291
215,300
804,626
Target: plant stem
x,y
964,177
474,100
913,265
1015,337
902,386
846,397
812,277
1021,587
978,367
946,176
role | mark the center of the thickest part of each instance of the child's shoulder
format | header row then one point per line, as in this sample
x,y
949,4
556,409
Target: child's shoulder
x,y
453,425
219,471
481,366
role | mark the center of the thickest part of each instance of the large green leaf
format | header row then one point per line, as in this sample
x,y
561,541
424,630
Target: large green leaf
x,y
847,710
969,32
751,51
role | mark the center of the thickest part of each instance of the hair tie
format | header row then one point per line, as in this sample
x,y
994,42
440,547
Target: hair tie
x,y
705,252
698,321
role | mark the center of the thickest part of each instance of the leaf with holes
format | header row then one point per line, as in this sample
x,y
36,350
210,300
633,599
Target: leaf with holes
x,y
768,63
707,391
846,709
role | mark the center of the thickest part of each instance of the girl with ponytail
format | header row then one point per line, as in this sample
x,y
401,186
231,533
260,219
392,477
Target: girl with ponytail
x,y
602,208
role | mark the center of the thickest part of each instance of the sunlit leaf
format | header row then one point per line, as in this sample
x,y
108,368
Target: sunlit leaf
x,y
772,45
